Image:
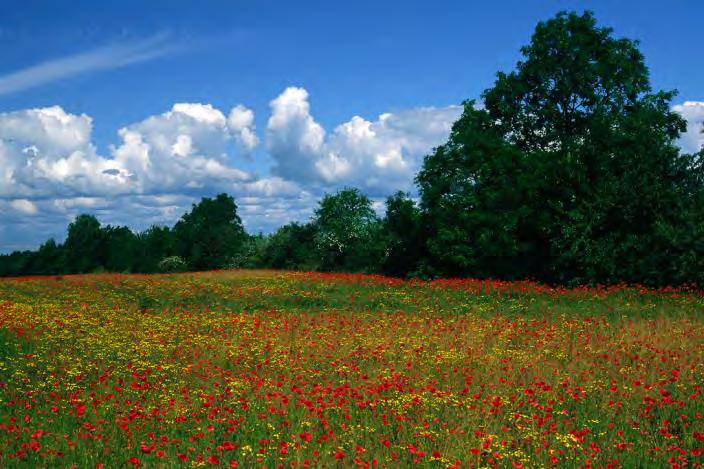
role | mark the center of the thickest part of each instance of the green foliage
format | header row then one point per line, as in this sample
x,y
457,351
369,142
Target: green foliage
x,y
120,249
153,245
83,245
210,234
570,171
348,232
470,189
17,263
172,264
404,237
48,259
250,254
292,247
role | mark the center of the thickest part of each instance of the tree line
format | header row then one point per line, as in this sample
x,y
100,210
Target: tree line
x,y
567,172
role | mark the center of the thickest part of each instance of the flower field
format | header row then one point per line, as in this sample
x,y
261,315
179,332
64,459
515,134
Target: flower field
x,y
263,368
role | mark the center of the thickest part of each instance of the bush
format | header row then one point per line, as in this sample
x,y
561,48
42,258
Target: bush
x,y
172,264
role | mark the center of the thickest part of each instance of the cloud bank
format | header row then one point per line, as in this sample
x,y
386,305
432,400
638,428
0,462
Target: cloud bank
x,y
51,170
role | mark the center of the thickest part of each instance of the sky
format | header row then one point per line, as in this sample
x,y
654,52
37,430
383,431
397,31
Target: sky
x,y
133,110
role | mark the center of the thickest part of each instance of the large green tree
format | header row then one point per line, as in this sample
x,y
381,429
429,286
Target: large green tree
x,y
84,245
210,234
120,249
154,244
292,247
48,258
404,236
348,232
568,172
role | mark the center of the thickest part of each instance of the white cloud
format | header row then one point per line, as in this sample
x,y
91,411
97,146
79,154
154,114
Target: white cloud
x,y
241,124
184,147
294,139
48,152
204,113
79,203
166,162
50,169
385,154
693,139
24,206
379,156
102,58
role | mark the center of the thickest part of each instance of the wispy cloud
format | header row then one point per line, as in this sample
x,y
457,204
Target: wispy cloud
x,y
102,58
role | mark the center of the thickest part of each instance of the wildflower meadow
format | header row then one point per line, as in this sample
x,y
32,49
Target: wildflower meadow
x,y
274,369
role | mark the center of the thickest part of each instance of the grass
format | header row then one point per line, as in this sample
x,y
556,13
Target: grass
x,y
263,368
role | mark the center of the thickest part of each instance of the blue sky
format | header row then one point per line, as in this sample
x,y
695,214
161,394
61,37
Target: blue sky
x,y
330,94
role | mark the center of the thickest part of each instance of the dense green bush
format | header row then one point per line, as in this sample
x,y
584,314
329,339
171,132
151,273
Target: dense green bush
x,y
172,264
292,247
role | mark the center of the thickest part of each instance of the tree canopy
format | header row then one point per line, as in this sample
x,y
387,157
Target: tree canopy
x,y
347,228
568,172
84,244
210,234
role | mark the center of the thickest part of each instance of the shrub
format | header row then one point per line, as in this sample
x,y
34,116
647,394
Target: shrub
x,y
172,264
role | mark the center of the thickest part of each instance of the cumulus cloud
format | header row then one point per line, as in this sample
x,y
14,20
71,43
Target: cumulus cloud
x,y
241,124
50,171
294,138
693,111
185,147
48,152
385,153
379,156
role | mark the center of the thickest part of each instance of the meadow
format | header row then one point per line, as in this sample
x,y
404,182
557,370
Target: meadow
x,y
267,368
